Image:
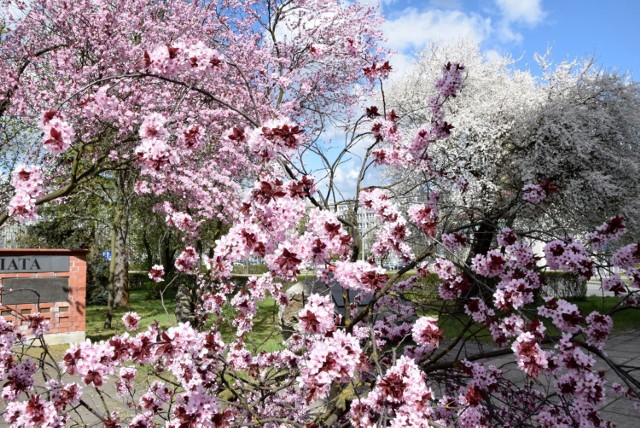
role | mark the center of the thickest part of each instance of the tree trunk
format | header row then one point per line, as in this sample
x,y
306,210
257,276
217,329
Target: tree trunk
x,y
187,301
118,288
121,274
166,251
112,269
482,239
148,252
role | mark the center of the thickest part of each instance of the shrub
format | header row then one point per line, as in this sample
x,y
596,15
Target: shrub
x,y
138,280
97,279
250,269
565,285
428,291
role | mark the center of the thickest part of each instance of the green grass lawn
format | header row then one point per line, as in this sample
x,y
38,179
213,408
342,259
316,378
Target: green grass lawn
x,y
627,319
148,309
265,335
453,323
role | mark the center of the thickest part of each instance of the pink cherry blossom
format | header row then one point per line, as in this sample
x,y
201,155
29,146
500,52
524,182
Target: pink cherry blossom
x,y
58,134
38,325
454,241
426,332
530,356
451,81
332,359
607,232
34,413
187,260
360,276
627,257
533,193
317,316
156,273
131,320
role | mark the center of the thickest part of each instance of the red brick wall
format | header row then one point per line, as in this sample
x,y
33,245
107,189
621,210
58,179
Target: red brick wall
x,y
64,317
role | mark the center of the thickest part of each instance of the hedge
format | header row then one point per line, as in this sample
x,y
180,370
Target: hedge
x,y
565,285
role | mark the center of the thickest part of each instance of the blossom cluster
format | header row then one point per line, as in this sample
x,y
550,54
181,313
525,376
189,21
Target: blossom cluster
x,y
181,350
536,193
188,59
275,136
533,193
38,324
627,257
317,316
401,394
27,182
33,413
273,209
386,130
58,134
454,241
404,153
182,221
564,315
514,264
529,355
131,320
156,273
425,217
154,151
375,71
612,230
391,237
188,260
569,255
453,283
360,275
426,332
326,237
333,359
451,81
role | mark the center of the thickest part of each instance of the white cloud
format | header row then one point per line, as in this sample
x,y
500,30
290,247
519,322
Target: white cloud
x,y
526,11
414,30
506,34
347,174
401,62
514,12
411,31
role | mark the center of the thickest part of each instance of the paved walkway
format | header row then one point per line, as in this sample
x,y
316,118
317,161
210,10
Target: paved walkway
x,y
594,289
621,348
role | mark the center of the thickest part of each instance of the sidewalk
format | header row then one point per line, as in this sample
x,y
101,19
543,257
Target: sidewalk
x,y
594,289
622,348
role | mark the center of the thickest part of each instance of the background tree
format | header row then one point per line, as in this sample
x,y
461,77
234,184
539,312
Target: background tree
x,y
126,88
90,78
575,129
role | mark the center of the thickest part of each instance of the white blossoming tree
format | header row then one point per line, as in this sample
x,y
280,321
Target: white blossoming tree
x,y
574,130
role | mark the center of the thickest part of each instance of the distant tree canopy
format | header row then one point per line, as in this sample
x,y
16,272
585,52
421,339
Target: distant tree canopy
x,y
575,128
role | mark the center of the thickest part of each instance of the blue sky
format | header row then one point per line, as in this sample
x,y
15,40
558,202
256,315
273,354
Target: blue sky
x,y
607,30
